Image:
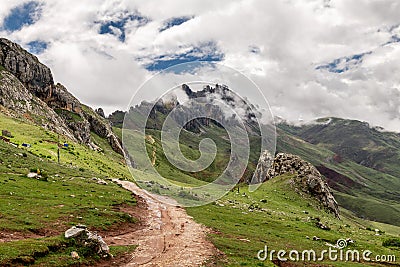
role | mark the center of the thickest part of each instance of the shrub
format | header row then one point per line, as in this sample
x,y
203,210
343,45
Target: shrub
x,y
391,242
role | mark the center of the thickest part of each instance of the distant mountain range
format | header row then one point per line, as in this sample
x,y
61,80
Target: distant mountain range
x,y
359,162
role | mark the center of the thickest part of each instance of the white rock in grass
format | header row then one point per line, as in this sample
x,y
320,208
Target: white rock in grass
x,y
74,232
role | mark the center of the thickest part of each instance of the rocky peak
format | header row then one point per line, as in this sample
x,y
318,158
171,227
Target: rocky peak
x,y
20,102
35,76
263,165
59,97
308,179
67,113
100,112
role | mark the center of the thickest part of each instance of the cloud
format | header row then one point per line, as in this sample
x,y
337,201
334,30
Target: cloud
x,y
343,64
310,58
116,24
203,52
175,21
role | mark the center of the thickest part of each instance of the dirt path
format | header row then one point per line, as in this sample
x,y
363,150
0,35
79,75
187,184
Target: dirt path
x,y
169,237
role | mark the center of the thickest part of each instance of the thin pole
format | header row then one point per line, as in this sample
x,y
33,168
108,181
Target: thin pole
x,y
58,149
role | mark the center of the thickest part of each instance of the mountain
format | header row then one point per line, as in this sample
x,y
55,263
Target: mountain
x,y
368,146
27,90
201,116
358,161
293,209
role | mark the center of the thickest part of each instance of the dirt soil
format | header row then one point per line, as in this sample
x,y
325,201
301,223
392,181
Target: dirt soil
x,y
166,235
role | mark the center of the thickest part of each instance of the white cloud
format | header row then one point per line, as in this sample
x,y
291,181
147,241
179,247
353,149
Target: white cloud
x,y
293,38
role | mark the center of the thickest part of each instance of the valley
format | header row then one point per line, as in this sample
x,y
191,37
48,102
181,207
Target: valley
x,y
64,164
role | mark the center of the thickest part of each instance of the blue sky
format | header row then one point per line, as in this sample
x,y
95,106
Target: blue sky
x,y
343,64
174,22
110,27
23,15
37,47
204,52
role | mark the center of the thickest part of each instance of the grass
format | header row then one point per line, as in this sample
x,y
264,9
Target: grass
x,y
381,201
69,115
67,196
44,144
51,252
274,215
25,251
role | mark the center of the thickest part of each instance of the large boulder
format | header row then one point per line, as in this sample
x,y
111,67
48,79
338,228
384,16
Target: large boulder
x,y
75,231
307,178
85,238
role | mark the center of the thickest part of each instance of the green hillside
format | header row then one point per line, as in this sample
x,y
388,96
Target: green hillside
x,y
44,144
67,194
368,146
369,193
242,223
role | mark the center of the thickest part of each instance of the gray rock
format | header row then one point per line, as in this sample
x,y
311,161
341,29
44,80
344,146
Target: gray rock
x,y
102,128
103,248
35,76
27,86
263,165
100,112
88,239
308,179
19,102
74,232
99,181
75,255
32,175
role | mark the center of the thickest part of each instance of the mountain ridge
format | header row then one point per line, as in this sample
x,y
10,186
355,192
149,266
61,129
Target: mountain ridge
x,y
50,104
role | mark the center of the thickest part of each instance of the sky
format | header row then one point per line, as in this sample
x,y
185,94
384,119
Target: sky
x,y
310,58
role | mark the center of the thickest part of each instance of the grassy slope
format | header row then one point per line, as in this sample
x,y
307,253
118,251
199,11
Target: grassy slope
x,y
43,142
380,200
69,196
282,221
355,140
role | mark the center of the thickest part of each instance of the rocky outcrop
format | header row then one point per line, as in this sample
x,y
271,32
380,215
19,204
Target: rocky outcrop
x,y
27,87
85,238
19,102
103,129
35,76
263,165
59,97
307,180
100,112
